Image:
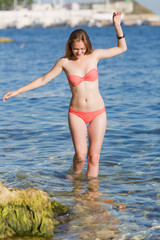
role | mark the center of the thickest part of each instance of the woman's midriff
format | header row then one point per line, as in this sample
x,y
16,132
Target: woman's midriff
x,y
89,103
86,97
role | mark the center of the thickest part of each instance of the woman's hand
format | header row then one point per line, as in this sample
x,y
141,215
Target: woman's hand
x,y
117,18
9,95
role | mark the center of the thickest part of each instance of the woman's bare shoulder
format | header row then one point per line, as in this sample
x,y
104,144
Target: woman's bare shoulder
x,y
62,62
95,52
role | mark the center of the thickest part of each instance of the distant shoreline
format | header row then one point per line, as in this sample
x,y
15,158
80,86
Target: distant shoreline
x,y
69,17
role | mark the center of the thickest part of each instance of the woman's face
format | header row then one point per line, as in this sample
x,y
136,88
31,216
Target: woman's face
x,y
78,49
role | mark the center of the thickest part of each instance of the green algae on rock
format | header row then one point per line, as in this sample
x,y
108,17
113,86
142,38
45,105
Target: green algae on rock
x,y
28,212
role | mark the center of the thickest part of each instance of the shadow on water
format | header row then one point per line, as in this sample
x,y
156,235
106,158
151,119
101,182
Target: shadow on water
x,y
91,219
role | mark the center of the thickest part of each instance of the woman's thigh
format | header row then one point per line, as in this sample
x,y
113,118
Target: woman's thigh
x,y
96,132
78,131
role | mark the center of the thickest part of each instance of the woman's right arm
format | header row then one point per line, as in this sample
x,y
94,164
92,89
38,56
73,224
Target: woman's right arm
x,y
39,82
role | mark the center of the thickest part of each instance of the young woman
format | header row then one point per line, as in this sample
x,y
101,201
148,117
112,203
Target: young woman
x,y
86,105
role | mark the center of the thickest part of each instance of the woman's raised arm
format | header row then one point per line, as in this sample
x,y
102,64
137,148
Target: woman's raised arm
x,y
121,45
39,82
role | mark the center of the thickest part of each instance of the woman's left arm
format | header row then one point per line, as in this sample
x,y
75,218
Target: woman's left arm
x,y
121,45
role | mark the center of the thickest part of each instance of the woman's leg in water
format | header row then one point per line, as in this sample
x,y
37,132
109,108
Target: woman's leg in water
x,y
78,131
96,132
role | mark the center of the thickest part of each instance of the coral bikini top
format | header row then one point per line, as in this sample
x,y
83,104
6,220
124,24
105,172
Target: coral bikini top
x,y
91,76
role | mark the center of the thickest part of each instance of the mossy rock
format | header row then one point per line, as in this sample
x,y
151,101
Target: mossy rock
x,y
4,40
28,212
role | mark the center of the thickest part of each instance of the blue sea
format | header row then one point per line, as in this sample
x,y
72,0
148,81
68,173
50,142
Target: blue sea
x,y
35,142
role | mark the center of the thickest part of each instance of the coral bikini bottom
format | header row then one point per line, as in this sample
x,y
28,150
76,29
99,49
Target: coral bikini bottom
x,y
87,117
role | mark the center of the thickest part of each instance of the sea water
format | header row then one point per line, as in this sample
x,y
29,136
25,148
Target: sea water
x,y
35,143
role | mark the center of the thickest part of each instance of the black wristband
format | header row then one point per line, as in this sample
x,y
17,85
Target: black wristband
x,y
121,37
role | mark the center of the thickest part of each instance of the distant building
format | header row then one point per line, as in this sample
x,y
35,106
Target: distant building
x,y
121,6
110,6
41,7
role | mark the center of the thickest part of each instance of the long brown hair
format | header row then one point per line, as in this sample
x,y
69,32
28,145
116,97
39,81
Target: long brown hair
x,y
76,36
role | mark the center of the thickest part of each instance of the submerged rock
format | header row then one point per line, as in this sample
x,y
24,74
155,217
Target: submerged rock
x,y
3,40
28,212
